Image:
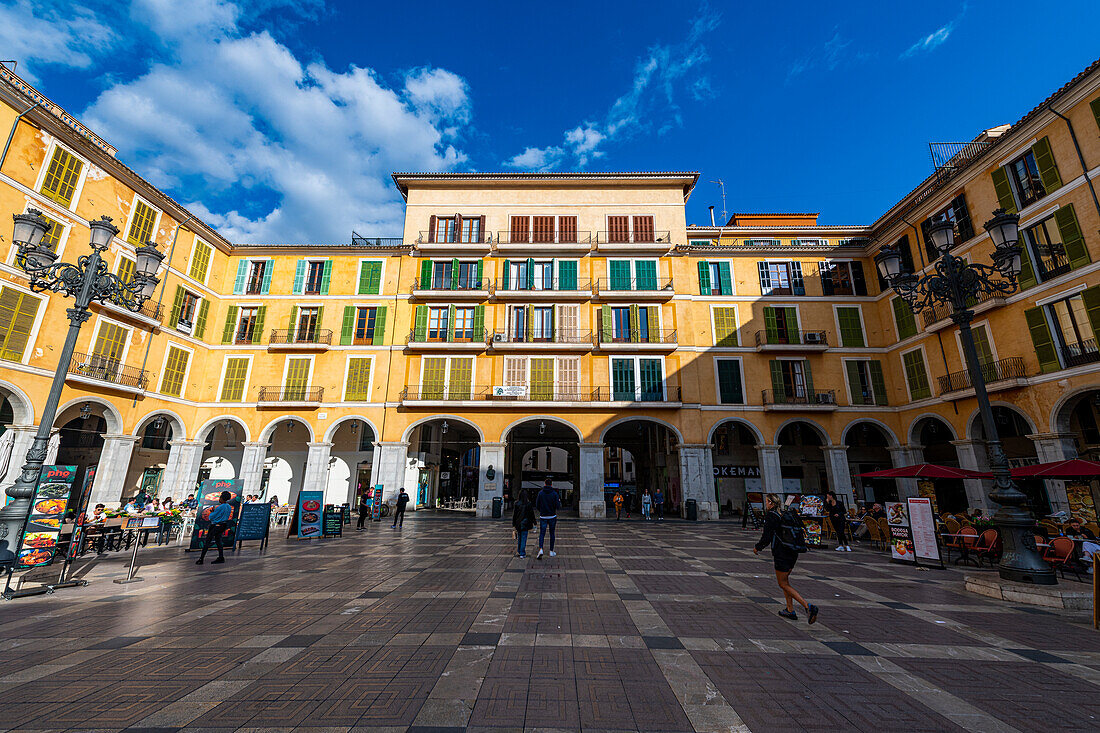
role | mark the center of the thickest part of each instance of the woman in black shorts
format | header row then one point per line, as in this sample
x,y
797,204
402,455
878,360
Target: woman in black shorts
x,y
784,558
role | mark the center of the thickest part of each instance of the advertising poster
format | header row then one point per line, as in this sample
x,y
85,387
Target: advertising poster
x,y
927,490
209,495
1080,501
39,543
309,514
922,526
901,538
82,513
376,504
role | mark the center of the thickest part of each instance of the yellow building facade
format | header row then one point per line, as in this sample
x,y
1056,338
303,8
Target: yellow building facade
x,y
571,327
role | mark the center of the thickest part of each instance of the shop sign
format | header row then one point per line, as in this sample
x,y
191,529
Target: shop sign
x,y
39,542
901,537
210,497
509,391
737,471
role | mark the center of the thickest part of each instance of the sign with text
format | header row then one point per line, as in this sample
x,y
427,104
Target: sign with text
x,y
254,523
309,513
901,539
209,497
922,526
509,391
39,542
376,504
333,522
737,471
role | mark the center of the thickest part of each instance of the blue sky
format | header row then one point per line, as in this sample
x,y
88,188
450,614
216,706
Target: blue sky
x,y
280,120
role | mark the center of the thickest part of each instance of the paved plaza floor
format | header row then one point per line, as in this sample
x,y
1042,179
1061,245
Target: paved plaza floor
x,y
633,626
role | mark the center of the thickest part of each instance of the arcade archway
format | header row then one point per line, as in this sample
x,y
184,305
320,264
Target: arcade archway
x,y
801,459
350,463
1014,430
645,454
539,449
736,465
868,450
934,437
443,462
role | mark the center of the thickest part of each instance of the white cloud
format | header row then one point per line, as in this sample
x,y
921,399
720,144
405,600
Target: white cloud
x,y
936,38
650,99
269,148
537,159
834,52
39,34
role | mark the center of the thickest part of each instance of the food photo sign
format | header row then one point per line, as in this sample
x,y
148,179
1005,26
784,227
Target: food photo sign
x,y
39,543
210,498
309,514
901,537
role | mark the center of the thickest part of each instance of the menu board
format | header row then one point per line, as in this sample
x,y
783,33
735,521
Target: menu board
x,y
209,497
82,512
254,522
309,514
39,542
901,538
927,490
922,524
812,510
1081,504
376,505
333,522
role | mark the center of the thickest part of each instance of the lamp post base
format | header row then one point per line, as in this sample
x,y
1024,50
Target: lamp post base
x,y
1020,559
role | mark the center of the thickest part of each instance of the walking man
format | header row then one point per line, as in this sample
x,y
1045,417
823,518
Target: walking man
x,y
659,502
364,511
617,500
399,515
786,544
547,504
220,517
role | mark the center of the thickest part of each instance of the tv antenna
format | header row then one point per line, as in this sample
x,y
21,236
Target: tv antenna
x,y
722,185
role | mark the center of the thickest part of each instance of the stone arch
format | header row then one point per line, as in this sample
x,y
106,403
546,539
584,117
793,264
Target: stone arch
x,y
877,423
1063,409
111,414
821,432
532,418
912,431
21,405
200,434
265,434
741,421
645,418
330,433
424,420
974,419
179,429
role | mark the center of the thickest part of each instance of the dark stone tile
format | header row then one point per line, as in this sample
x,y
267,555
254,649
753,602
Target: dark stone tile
x,y
300,640
374,594
849,649
632,596
1036,655
663,642
897,605
118,642
481,639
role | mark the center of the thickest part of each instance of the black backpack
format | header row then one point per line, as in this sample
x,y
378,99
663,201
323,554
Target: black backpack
x,y
791,534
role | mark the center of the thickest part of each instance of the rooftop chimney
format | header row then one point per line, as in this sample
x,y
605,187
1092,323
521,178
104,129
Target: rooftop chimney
x,y
712,216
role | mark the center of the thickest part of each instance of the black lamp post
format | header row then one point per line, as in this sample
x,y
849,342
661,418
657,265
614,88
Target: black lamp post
x,y
88,281
955,282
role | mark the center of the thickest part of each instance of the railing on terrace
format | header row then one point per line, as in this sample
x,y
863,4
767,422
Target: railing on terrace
x,y
798,397
543,393
637,284
801,338
559,336
112,371
539,237
571,285
290,394
463,336
943,310
650,336
361,241
444,285
290,336
641,237
994,371
430,238
1084,352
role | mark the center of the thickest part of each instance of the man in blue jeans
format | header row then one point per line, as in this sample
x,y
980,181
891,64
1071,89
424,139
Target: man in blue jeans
x,y
548,504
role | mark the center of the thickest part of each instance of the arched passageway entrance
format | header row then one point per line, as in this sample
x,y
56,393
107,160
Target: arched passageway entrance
x,y
284,466
868,450
736,466
801,459
79,441
223,448
933,436
150,458
444,458
1076,434
645,452
350,463
539,449
1014,429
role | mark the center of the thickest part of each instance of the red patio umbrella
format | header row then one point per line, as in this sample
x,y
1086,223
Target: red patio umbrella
x,y
1071,468
923,470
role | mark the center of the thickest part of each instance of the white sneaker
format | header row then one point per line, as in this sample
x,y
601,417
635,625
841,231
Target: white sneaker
x,y
840,548
553,554
847,548
539,555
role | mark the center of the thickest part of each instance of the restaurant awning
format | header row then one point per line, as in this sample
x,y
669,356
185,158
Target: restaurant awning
x,y
923,470
1071,468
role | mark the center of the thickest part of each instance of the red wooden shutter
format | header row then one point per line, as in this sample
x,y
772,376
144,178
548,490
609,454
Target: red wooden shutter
x,y
457,237
567,229
431,229
520,228
643,229
618,229
544,229
481,229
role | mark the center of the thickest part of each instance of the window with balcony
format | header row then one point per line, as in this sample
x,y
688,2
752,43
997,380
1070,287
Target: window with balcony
x,y
306,323
234,379
1055,246
1073,330
446,378
866,382
842,278
632,274
1028,178
62,177
781,278
546,378
916,375
438,323
959,216
175,372
296,381
445,230
730,391
17,313
442,274
620,324
1023,174
637,379
781,325
108,351
464,324
623,229
792,381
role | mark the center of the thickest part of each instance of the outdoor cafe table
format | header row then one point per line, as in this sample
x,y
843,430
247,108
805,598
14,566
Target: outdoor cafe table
x,y
963,547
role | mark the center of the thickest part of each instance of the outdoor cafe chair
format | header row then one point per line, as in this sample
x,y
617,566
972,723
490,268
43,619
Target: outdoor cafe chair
x,y
884,527
827,528
987,546
1092,527
1060,556
873,531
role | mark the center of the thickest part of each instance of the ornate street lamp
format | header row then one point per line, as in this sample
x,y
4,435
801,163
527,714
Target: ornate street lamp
x,y
956,282
86,282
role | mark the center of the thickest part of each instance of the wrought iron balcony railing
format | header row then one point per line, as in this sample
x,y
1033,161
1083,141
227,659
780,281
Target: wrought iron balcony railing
x,y
994,371
639,237
449,284
644,336
538,393
799,338
556,284
283,393
799,397
635,285
559,336
942,311
450,336
291,336
1084,352
103,369
542,237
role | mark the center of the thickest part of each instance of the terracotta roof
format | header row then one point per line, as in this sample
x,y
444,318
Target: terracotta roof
x,y
399,176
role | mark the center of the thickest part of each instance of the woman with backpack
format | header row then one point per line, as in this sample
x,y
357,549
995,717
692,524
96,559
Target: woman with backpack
x,y
523,519
783,531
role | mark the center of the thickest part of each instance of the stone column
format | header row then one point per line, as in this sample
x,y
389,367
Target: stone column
x,y
182,469
23,438
592,504
492,454
771,471
315,477
906,455
389,469
1055,447
974,457
697,479
114,462
839,473
252,467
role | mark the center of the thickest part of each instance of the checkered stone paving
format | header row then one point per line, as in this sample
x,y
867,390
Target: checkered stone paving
x,y
632,627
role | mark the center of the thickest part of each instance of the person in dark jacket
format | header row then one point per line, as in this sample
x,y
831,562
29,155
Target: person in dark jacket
x,y
399,514
364,510
837,518
783,556
523,519
547,503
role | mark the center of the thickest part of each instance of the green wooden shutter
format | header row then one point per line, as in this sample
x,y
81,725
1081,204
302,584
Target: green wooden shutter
x,y
725,279
729,382
293,317
242,275
258,331
1095,105
851,329
480,272
653,334
454,273
200,320
704,277
364,278
605,323
420,324
771,325
326,275
177,306
450,323
1072,239
347,328
1042,340
778,393
646,272
851,368
619,274
479,323
300,277
426,275
553,323
622,380
903,316
528,312
878,383
1048,168
1027,272
634,334
530,274
567,275
809,381
505,275
230,324
1004,191
1091,299
793,336
320,319
379,337
269,269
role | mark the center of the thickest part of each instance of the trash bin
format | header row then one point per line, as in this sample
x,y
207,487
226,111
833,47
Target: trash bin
x,y
498,507
691,510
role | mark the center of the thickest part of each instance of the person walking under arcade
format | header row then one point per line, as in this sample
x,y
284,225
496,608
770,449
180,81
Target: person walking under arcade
x,y
523,519
399,514
659,503
786,540
548,502
617,500
839,520
364,510
220,517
